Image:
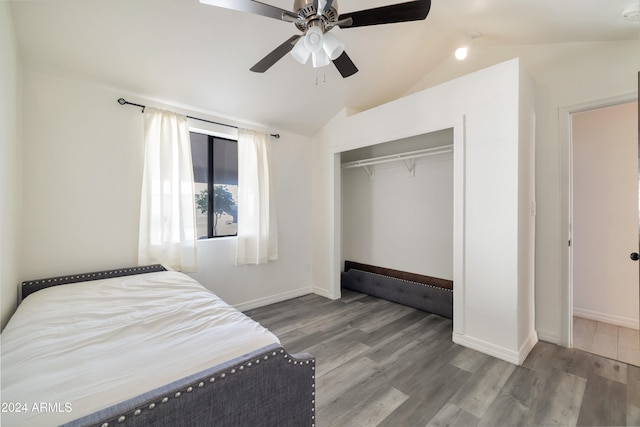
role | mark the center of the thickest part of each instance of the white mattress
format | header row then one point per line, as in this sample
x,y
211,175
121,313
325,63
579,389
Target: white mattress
x,y
82,347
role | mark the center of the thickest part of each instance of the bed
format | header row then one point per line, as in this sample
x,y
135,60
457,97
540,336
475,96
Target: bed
x,y
426,293
144,346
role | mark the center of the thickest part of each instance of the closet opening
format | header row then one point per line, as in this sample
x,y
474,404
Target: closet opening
x,y
398,221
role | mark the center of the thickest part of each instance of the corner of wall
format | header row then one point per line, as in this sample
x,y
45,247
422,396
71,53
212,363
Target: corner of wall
x,y
527,202
9,166
320,215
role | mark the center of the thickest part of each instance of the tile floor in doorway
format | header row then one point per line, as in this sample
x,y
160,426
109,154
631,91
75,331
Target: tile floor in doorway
x,y
612,341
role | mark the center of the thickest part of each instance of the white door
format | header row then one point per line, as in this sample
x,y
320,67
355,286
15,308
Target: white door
x,y
605,216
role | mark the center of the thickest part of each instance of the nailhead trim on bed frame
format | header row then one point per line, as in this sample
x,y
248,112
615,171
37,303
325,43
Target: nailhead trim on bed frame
x,y
31,286
198,385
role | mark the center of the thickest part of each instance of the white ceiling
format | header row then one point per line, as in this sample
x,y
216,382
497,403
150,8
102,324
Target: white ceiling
x,y
188,53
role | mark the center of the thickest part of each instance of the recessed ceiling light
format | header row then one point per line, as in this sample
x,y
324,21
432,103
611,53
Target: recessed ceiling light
x,y
462,51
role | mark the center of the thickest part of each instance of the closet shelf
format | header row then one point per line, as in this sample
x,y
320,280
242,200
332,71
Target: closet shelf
x,y
410,155
396,157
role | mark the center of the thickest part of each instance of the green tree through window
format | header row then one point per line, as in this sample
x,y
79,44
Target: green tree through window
x,y
224,203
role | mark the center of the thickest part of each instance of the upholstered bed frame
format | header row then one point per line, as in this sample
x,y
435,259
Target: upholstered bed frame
x,y
266,387
425,293
30,286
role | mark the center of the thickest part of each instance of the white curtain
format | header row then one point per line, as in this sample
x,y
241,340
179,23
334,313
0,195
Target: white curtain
x,y
167,212
257,241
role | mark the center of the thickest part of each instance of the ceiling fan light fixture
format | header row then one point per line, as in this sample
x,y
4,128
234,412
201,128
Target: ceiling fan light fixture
x,y
332,46
300,52
314,39
319,59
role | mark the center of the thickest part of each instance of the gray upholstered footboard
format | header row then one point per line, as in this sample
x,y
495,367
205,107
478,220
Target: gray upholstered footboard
x,y
429,298
267,387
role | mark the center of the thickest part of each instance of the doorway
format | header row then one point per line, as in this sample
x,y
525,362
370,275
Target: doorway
x,y
604,231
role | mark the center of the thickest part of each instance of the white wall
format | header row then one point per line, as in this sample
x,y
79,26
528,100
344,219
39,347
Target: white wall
x,y
485,109
10,185
605,214
323,185
566,74
82,177
251,286
398,221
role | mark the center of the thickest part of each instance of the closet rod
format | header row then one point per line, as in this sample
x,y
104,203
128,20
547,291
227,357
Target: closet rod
x,y
123,101
396,157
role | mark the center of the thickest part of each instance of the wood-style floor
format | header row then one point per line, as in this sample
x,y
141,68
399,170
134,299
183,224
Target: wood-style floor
x,y
380,363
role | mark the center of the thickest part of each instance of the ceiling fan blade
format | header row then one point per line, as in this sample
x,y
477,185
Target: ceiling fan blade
x,y
327,6
275,55
402,12
345,65
254,7
344,23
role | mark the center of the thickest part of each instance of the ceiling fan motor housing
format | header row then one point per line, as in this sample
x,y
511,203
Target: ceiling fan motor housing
x,y
307,13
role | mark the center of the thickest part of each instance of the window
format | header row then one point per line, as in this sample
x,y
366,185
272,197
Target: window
x,y
215,172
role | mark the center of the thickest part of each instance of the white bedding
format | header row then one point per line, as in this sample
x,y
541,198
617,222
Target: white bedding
x,y
82,347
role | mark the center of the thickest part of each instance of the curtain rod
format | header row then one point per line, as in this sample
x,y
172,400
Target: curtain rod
x,y
122,101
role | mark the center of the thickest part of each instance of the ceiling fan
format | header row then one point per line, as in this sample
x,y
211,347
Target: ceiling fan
x,y
315,18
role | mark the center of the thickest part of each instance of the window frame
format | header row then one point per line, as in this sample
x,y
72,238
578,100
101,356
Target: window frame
x,y
211,136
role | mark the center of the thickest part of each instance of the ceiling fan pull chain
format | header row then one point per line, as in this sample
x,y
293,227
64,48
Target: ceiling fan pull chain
x,y
324,78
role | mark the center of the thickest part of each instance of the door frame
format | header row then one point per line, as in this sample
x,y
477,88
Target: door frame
x,y
566,156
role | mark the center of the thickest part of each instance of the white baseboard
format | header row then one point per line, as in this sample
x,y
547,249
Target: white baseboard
x,y
515,357
325,293
527,346
606,318
549,336
261,302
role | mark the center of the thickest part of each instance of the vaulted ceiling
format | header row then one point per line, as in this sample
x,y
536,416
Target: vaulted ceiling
x,y
187,53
